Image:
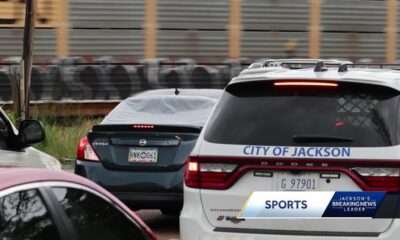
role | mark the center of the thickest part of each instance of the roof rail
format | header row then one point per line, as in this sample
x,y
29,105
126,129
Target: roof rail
x,y
319,67
296,63
344,67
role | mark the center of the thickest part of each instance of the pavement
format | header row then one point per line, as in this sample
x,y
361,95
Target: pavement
x,y
166,227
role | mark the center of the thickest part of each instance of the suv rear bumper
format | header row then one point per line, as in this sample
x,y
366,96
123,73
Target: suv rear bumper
x,y
194,225
138,190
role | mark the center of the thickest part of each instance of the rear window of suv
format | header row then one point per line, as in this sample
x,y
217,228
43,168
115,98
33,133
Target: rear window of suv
x,y
351,114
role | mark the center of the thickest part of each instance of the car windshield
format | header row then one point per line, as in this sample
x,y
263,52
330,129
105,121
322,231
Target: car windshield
x,y
260,113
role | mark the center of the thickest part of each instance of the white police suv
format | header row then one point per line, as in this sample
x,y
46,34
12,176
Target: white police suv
x,y
299,149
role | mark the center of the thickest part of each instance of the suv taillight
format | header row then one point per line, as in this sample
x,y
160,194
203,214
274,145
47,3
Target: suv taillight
x,y
386,179
221,172
85,151
207,175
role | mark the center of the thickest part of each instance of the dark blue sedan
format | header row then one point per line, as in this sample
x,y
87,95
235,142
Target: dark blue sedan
x,y
139,150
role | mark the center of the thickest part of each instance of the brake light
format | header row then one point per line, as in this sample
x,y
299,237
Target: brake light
x,y
207,175
383,178
193,166
191,175
304,84
142,126
85,151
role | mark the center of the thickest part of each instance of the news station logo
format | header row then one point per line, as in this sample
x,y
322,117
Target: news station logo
x,y
354,204
311,204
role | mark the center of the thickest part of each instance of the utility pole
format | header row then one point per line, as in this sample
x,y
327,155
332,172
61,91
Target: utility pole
x,y
26,62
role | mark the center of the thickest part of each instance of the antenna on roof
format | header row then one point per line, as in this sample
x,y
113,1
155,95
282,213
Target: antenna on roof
x,y
342,68
176,91
319,67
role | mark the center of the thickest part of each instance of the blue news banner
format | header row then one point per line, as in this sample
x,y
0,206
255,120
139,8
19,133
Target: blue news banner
x,y
312,204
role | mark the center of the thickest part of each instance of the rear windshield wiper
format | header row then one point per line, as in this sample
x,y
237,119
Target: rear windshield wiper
x,y
320,138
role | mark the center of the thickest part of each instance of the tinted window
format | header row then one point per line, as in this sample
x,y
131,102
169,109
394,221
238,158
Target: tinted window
x,y
24,216
94,218
4,134
349,115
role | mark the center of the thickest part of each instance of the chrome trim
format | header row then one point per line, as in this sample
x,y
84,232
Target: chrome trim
x,y
19,188
297,232
50,184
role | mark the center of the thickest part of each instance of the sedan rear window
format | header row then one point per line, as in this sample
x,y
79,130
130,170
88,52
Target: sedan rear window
x,y
162,110
259,113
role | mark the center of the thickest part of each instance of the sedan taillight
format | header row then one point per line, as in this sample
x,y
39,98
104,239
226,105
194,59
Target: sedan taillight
x,y
85,151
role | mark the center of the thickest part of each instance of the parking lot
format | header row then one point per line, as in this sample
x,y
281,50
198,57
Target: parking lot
x,y
200,120
166,227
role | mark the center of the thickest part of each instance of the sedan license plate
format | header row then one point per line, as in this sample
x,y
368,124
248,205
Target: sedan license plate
x,y
143,155
297,182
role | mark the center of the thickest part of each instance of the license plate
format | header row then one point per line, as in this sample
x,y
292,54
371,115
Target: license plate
x,y
143,155
297,182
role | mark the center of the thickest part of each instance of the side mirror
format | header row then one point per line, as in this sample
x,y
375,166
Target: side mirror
x,y
30,132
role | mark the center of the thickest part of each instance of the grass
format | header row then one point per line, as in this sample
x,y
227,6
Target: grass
x,y
63,135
